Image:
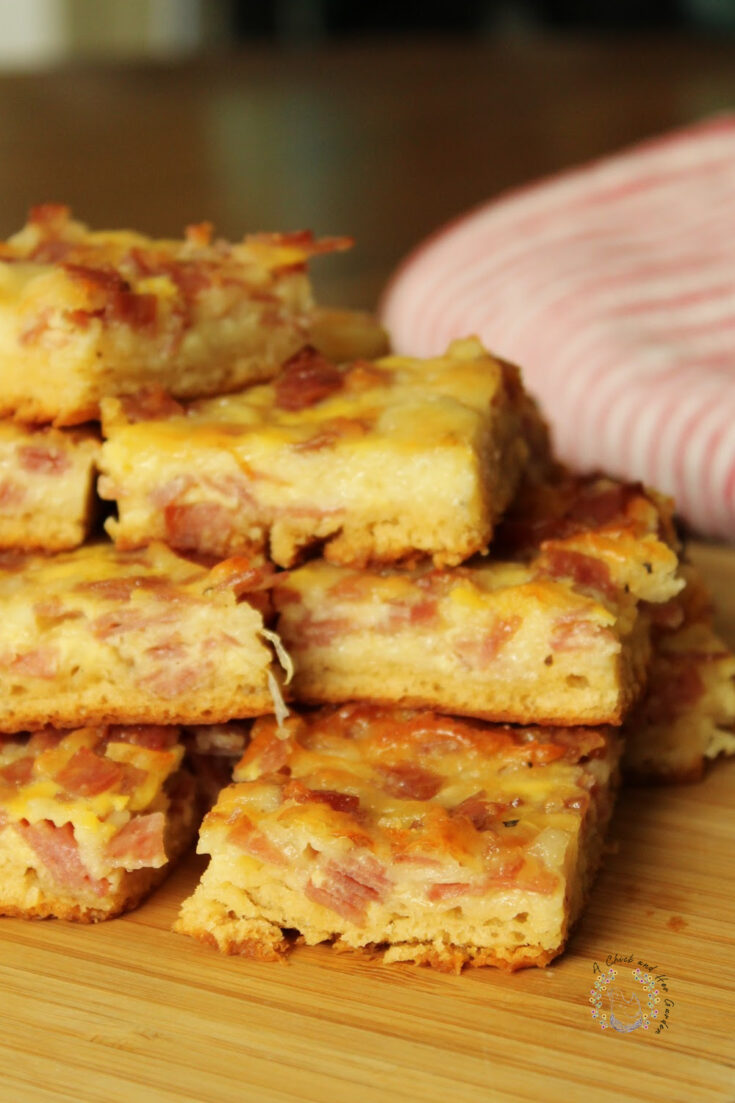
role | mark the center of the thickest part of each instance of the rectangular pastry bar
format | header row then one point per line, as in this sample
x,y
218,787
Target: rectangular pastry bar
x,y
430,837
687,717
103,636
46,486
379,461
555,637
87,314
90,820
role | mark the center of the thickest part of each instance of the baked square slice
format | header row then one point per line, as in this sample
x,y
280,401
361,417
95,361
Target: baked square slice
x,y
429,837
378,461
90,820
687,717
498,641
596,530
46,486
85,314
557,636
103,636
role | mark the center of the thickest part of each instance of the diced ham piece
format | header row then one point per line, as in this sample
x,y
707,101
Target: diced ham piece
x,y
150,404
140,843
119,621
585,571
57,849
50,218
477,653
197,525
349,891
164,494
409,781
53,610
18,772
448,890
401,615
87,774
368,871
599,505
284,595
45,740
307,378
269,751
320,631
542,881
43,662
481,812
244,835
340,802
118,589
39,459
172,680
241,575
572,633
11,494
112,298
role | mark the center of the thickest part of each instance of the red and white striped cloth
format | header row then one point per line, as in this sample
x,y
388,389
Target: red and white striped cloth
x,y
613,286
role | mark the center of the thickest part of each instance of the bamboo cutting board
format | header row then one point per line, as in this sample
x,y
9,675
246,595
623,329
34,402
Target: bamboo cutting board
x,y
127,1011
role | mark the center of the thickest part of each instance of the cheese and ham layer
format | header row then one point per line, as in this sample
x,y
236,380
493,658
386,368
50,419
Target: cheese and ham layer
x,y
86,314
556,635
82,810
98,635
375,460
447,840
46,486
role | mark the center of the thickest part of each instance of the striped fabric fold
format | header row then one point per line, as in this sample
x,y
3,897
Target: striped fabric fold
x,y
613,286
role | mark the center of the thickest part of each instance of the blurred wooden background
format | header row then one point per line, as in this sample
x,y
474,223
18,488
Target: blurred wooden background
x,y
383,141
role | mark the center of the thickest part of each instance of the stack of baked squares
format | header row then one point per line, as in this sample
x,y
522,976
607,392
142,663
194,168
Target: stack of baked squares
x,y
105,652
475,636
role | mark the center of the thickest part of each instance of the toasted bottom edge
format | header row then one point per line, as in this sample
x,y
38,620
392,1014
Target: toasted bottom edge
x,y
127,712
309,696
247,938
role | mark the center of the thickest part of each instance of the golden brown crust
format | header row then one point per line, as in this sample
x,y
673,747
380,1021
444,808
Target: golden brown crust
x,y
116,312
497,716
310,461
422,837
69,710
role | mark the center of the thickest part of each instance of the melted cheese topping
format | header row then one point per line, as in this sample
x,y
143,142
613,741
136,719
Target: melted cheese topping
x,y
428,796
149,266
96,809
409,404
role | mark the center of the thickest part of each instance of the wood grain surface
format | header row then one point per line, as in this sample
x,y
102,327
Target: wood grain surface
x,y
129,1011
